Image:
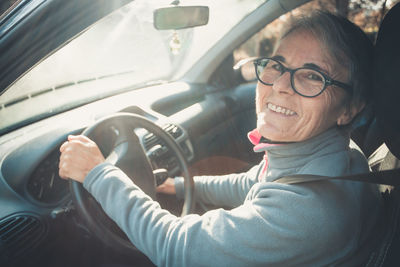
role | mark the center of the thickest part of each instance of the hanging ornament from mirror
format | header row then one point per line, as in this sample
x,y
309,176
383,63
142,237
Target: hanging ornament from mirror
x,y
175,44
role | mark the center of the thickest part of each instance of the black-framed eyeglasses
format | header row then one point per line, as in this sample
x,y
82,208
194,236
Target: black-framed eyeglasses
x,y
305,81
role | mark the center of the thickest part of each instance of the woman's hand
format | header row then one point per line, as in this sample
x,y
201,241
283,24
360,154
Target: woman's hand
x,y
79,155
168,187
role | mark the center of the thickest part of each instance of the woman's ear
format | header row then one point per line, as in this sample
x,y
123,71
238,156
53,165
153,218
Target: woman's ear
x,y
350,111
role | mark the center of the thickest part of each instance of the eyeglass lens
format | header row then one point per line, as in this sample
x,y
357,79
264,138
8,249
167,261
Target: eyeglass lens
x,y
305,81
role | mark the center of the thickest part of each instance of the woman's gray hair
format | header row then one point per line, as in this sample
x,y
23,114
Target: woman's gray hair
x,y
347,44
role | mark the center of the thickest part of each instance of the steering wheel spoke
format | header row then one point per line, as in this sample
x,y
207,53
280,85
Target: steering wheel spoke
x,y
129,156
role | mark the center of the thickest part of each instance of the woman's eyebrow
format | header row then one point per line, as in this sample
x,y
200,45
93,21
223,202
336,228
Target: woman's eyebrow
x,y
315,66
307,65
278,58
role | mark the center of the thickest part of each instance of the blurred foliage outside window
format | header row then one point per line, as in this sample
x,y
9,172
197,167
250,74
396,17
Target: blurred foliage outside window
x,y
365,13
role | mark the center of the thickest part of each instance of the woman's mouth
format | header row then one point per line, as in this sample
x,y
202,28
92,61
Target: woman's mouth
x,y
281,110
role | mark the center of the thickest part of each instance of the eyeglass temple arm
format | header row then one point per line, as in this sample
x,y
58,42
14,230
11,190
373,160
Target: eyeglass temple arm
x,y
243,62
345,86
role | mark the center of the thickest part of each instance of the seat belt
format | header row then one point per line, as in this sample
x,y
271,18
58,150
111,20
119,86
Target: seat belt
x,y
385,253
388,173
385,177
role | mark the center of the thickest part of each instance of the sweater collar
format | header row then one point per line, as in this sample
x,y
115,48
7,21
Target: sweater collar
x,y
298,153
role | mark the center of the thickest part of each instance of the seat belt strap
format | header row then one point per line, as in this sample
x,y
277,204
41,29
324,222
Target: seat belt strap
x,y
385,177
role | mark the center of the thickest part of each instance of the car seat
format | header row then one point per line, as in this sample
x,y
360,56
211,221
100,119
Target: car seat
x,y
387,127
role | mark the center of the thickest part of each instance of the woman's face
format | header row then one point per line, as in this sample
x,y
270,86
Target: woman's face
x,y
306,117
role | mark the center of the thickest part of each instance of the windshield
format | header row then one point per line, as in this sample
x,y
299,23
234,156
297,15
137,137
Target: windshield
x,y
123,51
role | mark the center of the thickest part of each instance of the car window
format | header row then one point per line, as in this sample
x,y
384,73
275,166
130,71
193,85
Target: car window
x,y
366,14
121,52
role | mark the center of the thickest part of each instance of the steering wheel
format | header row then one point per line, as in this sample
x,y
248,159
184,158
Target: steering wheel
x,y
127,154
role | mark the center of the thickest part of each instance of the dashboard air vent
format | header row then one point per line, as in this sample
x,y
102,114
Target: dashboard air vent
x,y
150,140
173,130
19,235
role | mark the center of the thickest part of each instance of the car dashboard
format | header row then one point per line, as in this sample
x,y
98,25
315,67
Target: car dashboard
x,y
32,195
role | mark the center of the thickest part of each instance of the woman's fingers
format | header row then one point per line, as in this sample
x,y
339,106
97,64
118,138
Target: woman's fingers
x,y
79,155
63,146
168,187
82,138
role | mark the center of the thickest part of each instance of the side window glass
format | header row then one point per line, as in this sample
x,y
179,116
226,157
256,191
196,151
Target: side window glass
x,y
261,44
365,13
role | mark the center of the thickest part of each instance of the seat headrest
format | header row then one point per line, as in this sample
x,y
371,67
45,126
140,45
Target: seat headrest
x,y
387,79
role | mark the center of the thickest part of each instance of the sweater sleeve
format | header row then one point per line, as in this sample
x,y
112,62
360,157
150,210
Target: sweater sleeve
x,y
223,190
264,230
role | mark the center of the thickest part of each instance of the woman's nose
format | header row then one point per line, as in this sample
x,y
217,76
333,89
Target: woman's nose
x,y
283,85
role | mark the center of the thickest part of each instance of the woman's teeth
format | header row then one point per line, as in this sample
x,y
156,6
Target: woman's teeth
x,y
281,110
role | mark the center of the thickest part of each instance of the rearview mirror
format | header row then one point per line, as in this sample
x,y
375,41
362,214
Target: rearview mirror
x,y
180,17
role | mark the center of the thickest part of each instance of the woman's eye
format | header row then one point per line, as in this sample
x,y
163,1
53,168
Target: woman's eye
x,y
277,67
314,77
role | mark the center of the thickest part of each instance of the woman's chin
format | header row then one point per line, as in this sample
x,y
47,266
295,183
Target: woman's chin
x,y
273,135
274,130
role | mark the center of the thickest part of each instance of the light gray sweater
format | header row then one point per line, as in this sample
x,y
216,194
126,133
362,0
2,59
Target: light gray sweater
x,y
270,224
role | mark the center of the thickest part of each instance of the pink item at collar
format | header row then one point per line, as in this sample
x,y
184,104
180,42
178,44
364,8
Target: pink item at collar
x,y
255,137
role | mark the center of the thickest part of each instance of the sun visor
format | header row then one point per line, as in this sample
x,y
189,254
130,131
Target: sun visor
x,y
387,79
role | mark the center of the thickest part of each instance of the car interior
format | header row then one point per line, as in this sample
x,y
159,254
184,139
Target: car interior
x,y
182,129
386,128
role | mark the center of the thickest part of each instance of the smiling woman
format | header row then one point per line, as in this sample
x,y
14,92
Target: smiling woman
x,y
154,105
270,223
330,82
307,116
